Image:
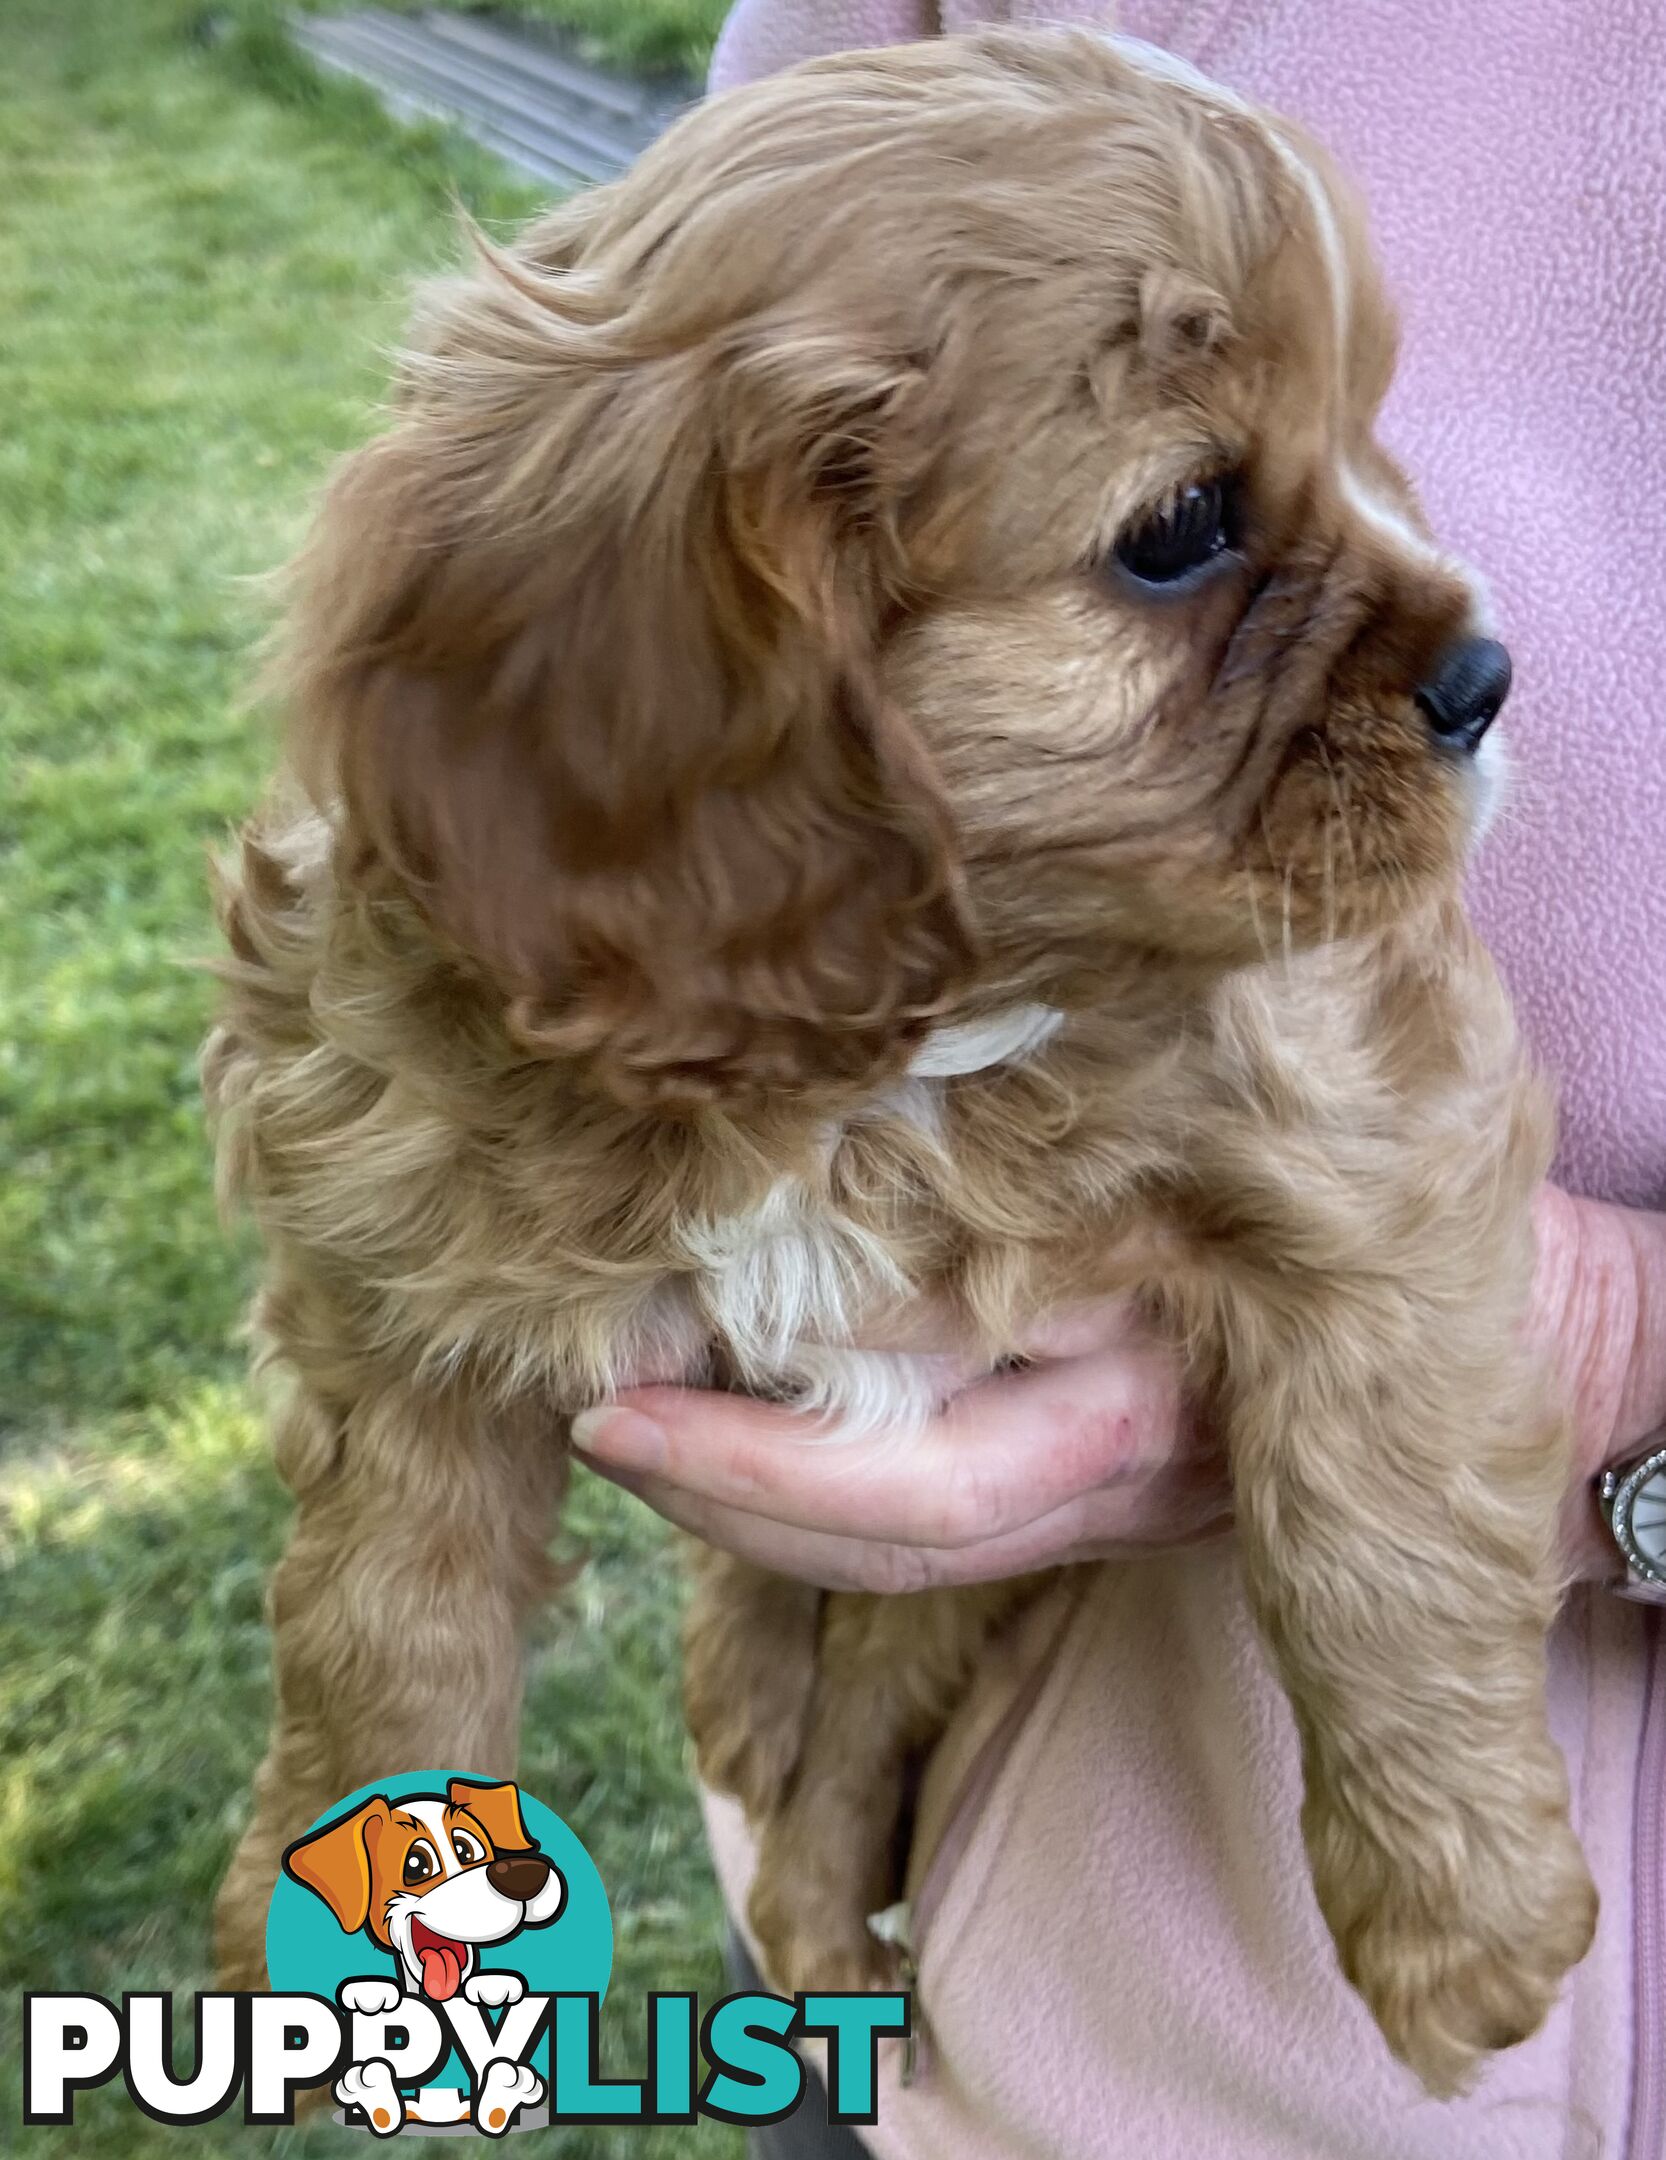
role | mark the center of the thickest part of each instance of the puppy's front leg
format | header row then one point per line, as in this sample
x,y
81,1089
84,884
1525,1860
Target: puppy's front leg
x,y
1398,1504
417,1557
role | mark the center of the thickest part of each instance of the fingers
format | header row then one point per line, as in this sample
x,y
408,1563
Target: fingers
x,y
1000,1457
1114,1519
844,1563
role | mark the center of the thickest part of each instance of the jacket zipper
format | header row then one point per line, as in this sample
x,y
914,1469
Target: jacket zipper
x,y
1646,2139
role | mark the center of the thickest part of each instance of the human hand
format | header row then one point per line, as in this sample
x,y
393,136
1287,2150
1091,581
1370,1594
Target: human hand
x,y
1090,1450
1085,1452
1599,1313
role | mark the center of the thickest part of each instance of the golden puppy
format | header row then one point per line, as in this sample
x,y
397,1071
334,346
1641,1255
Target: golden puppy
x,y
878,725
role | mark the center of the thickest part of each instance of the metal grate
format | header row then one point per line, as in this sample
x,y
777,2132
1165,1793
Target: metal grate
x,y
534,105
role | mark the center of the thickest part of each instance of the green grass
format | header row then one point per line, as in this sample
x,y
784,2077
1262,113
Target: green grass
x,y
203,256
648,37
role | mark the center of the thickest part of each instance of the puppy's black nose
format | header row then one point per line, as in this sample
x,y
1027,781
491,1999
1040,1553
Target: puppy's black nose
x,y
519,1875
1463,697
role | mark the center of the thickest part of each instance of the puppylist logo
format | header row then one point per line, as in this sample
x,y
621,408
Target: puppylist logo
x,y
439,1947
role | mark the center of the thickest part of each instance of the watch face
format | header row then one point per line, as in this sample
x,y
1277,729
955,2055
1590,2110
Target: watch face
x,y
1648,1520
1640,1516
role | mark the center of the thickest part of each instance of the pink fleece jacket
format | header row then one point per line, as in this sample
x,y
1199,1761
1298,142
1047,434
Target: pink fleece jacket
x,y
1119,1952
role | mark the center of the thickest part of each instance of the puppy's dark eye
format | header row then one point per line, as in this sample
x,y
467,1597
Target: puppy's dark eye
x,y
422,1863
1188,531
467,1849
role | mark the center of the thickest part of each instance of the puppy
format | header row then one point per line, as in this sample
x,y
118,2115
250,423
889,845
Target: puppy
x,y
430,1878
879,726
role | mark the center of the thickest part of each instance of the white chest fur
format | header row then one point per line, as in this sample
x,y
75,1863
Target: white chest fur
x,y
786,1284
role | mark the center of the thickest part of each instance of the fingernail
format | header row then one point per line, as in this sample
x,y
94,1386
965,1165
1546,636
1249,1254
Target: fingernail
x,y
622,1438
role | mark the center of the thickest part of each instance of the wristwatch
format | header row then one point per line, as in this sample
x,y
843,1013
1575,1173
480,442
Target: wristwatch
x,y
1632,1497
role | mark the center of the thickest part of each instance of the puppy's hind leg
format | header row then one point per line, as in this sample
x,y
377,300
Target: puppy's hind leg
x,y
417,1557
890,1673
750,1637
749,1673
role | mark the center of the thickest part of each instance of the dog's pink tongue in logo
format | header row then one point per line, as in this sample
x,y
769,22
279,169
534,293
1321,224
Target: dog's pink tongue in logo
x,y
441,1961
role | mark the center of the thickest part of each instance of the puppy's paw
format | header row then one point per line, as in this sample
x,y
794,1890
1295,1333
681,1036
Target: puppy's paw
x,y
493,1990
369,2087
798,1965
837,1957
369,1998
811,1925
505,2089
1455,1971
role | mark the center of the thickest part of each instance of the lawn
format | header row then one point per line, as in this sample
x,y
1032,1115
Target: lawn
x,y
202,261
651,36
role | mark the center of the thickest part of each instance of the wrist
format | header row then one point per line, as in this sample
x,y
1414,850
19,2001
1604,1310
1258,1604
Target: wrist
x,y
1599,1308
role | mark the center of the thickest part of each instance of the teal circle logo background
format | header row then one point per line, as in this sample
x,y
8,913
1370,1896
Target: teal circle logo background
x,y
307,1952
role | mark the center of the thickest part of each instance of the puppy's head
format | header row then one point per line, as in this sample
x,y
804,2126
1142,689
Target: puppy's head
x,y
917,537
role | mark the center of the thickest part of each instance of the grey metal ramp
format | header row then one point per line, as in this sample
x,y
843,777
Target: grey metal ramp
x,y
530,102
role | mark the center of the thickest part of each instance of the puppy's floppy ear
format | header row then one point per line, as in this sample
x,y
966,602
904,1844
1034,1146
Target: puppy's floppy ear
x,y
587,646
334,1863
497,1809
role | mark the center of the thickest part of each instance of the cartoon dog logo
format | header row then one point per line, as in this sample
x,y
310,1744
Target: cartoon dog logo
x,y
430,1879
